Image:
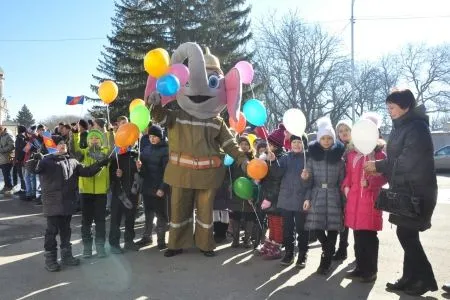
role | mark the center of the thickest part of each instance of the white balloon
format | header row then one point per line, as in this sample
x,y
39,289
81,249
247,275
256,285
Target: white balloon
x,y
365,136
295,122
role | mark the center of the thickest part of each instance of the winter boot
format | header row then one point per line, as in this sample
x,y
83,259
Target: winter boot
x,y
248,235
161,238
51,263
131,246
288,258
261,250
144,241
273,251
67,258
236,229
341,254
301,260
87,250
101,252
325,264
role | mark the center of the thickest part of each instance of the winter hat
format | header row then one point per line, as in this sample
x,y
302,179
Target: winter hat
x,y
83,124
100,122
96,133
347,123
276,138
244,138
325,128
372,116
21,129
156,131
304,140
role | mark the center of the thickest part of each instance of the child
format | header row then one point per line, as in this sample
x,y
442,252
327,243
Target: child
x,y
240,208
344,131
123,202
93,192
361,191
221,216
324,175
151,167
290,201
261,148
270,188
58,174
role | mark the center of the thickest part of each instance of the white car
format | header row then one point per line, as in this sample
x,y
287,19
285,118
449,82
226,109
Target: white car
x,y
442,158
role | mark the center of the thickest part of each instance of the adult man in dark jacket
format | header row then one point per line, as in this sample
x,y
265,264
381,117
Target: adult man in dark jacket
x,y
19,156
58,174
6,152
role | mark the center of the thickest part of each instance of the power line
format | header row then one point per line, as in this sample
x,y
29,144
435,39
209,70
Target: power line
x,y
54,40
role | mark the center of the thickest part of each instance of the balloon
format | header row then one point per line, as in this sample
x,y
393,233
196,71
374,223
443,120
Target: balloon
x,y
294,121
251,138
126,135
228,160
181,72
108,91
140,116
246,71
261,132
243,188
257,169
156,62
365,136
168,85
255,112
239,127
135,103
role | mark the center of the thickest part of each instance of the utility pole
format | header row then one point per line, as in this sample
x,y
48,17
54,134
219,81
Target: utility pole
x,y
352,21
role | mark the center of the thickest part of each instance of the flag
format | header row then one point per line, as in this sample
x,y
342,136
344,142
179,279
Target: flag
x,y
121,150
74,100
48,142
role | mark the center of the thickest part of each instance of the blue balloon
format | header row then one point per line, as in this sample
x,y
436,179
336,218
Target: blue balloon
x,y
228,160
255,112
168,85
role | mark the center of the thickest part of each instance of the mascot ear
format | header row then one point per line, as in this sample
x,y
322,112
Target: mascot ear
x,y
233,89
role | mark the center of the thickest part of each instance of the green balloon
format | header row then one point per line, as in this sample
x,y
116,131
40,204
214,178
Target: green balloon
x,y
243,188
140,116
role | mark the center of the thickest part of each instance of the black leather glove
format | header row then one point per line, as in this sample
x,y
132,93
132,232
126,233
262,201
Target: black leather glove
x,y
104,162
38,156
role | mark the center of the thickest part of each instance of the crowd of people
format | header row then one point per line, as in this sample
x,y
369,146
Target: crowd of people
x,y
333,192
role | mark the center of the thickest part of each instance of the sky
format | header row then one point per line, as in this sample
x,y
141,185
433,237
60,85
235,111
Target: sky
x,y
49,49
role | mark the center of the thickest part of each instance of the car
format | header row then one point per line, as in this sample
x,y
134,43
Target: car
x,y
442,158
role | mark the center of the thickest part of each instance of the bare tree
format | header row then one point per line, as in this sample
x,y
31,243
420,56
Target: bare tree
x,y
440,121
53,121
427,69
300,66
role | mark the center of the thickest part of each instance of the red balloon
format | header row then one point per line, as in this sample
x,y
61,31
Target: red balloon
x,y
261,132
239,127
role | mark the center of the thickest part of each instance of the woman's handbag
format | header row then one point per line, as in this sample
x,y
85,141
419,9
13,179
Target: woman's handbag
x,y
397,202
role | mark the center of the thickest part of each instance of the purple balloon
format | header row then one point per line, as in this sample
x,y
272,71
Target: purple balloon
x,y
246,71
181,72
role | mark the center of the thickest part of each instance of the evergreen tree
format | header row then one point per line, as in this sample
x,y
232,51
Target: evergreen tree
x,y
24,117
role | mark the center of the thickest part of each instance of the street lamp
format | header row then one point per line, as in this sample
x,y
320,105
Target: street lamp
x,y
352,21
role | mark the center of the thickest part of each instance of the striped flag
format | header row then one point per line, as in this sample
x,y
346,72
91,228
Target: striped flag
x,y
74,100
49,143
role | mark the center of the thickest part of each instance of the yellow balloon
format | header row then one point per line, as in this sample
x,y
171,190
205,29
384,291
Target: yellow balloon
x,y
251,138
108,91
156,62
136,102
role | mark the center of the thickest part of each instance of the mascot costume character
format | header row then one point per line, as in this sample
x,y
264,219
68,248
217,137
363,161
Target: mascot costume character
x,y
198,136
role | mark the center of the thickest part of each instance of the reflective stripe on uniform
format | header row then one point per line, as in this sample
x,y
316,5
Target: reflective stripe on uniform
x,y
195,123
178,225
206,226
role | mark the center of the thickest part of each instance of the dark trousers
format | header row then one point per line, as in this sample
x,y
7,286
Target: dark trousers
x,y
18,175
239,215
118,210
154,205
343,239
220,229
415,262
6,170
93,209
328,241
55,225
366,251
294,224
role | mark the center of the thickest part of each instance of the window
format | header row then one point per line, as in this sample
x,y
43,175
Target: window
x,y
444,151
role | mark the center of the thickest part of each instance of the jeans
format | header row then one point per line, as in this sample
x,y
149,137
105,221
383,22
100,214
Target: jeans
x,y
294,224
30,184
6,170
18,175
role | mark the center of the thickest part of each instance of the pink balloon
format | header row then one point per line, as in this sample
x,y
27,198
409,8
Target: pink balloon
x,y
181,72
150,87
246,71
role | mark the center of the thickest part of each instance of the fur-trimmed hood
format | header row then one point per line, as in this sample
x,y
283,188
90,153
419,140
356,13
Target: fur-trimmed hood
x,y
333,156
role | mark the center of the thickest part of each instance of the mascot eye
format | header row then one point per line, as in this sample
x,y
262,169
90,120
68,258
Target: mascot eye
x,y
213,81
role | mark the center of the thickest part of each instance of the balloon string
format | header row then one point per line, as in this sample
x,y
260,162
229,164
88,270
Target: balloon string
x,y
268,147
304,158
253,94
231,182
139,148
117,160
362,175
256,214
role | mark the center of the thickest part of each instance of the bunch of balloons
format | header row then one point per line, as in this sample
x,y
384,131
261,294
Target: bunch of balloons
x,y
169,78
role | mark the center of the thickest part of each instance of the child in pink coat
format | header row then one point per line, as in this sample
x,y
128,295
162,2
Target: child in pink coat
x,y
361,191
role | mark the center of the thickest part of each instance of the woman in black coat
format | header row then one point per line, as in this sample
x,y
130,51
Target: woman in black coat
x,y
409,167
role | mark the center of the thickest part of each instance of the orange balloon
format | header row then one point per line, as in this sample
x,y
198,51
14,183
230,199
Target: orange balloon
x,y
136,102
257,169
126,135
239,127
108,91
